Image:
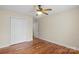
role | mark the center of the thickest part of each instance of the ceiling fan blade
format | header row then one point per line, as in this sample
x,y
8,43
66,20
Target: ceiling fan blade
x,y
37,10
47,9
44,13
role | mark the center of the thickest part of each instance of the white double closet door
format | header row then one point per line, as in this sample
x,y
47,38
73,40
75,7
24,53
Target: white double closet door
x,y
19,30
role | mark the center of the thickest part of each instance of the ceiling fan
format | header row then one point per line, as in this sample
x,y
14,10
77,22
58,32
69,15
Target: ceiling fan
x,y
41,10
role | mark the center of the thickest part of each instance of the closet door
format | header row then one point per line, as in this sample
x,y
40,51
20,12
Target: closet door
x,y
18,30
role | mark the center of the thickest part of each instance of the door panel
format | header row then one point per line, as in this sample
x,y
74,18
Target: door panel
x,y
18,30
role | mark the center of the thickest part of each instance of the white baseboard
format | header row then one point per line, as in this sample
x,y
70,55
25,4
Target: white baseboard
x,y
7,45
67,46
19,42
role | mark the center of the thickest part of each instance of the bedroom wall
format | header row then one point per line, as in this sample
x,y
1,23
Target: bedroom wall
x,y
61,28
5,29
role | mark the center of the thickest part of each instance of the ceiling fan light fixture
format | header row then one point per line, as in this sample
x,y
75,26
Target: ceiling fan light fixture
x,y
39,12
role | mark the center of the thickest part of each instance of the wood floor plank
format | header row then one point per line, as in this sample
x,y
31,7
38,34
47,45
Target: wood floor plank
x,y
37,46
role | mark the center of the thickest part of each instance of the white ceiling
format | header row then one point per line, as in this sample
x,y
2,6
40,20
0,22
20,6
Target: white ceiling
x,y
30,10
24,9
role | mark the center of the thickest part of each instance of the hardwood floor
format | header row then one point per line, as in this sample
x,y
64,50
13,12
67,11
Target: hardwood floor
x,y
37,46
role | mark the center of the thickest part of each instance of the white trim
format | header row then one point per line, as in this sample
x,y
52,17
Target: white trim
x,y
7,45
18,42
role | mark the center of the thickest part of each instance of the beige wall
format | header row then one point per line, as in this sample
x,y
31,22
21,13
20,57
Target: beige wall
x,y
61,28
5,29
